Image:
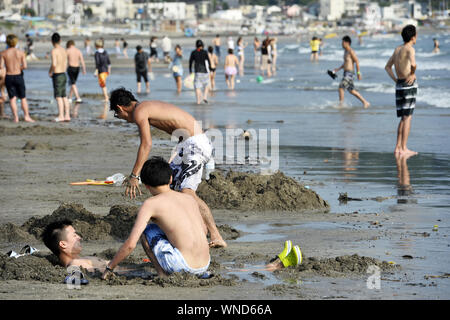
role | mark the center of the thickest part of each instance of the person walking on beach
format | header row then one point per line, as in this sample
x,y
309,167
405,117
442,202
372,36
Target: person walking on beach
x,y
350,60
404,61
141,62
216,44
265,57
102,71
192,152
75,58
240,51
274,51
166,46
257,51
125,48
177,67
212,69
231,61
57,72
87,46
199,57
153,49
117,46
2,93
14,62
314,44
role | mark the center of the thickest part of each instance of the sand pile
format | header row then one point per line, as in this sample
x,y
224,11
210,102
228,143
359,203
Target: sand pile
x,y
250,191
34,130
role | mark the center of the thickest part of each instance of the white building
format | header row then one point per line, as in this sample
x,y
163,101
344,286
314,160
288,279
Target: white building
x,y
232,14
351,7
372,16
403,10
331,9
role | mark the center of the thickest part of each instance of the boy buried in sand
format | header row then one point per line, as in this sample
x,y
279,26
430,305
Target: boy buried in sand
x,y
57,72
350,59
14,62
404,61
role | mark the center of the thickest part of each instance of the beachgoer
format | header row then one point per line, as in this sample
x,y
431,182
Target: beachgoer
x,y
30,46
193,151
117,46
2,91
436,46
169,225
177,67
212,69
265,57
231,61
14,62
87,46
350,60
240,51
257,51
153,49
404,61
199,57
314,44
125,48
321,47
166,46
143,65
102,71
230,43
75,58
216,44
57,72
274,51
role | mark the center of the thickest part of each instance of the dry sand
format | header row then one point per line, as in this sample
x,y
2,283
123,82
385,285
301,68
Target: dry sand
x,y
40,160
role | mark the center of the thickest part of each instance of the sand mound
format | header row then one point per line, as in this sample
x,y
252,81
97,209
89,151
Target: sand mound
x,y
340,266
13,234
31,145
34,130
32,267
250,191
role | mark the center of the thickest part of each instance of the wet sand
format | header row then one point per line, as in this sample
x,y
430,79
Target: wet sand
x,y
35,182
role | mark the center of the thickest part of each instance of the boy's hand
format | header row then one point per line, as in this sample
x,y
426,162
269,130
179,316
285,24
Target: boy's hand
x,y
410,79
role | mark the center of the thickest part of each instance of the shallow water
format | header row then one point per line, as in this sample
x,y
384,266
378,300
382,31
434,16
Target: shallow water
x,y
332,150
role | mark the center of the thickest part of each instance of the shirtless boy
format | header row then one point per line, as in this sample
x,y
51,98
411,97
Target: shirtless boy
x,y
404,61
58,74
193,151
169,225
75,58
14,61
350,59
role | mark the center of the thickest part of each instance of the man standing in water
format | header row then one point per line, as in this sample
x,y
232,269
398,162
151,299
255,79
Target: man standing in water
x,y
199,57
58,74
193,150
350,59
14,61
404,61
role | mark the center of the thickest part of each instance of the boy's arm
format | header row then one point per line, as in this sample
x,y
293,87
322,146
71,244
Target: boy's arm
x,y
53,63
143,217
412,58
356,61
388,68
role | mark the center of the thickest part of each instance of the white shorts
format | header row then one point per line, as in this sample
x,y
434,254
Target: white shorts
x,y
187,166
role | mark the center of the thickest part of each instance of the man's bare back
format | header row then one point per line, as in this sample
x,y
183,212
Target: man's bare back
x,y
178,215
165,116
59,59
14,61
74,56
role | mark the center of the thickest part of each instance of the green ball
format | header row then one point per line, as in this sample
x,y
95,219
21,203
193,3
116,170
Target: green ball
x,y
259,79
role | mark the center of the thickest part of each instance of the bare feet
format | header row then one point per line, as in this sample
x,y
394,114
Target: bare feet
x,y
366,105
218,243
102,116
28,119
58,120
405,152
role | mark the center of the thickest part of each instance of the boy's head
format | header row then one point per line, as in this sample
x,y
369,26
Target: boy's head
x,y
230,51
210,49
11,40
199,44
70,43
156,172
56,38
99,43
138,48
409,33
60,237
120,98
346,41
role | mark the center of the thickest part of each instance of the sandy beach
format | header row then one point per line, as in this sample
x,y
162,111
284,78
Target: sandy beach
x,y
354,214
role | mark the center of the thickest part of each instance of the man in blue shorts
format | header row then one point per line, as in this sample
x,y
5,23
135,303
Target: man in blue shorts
x,y
169,225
